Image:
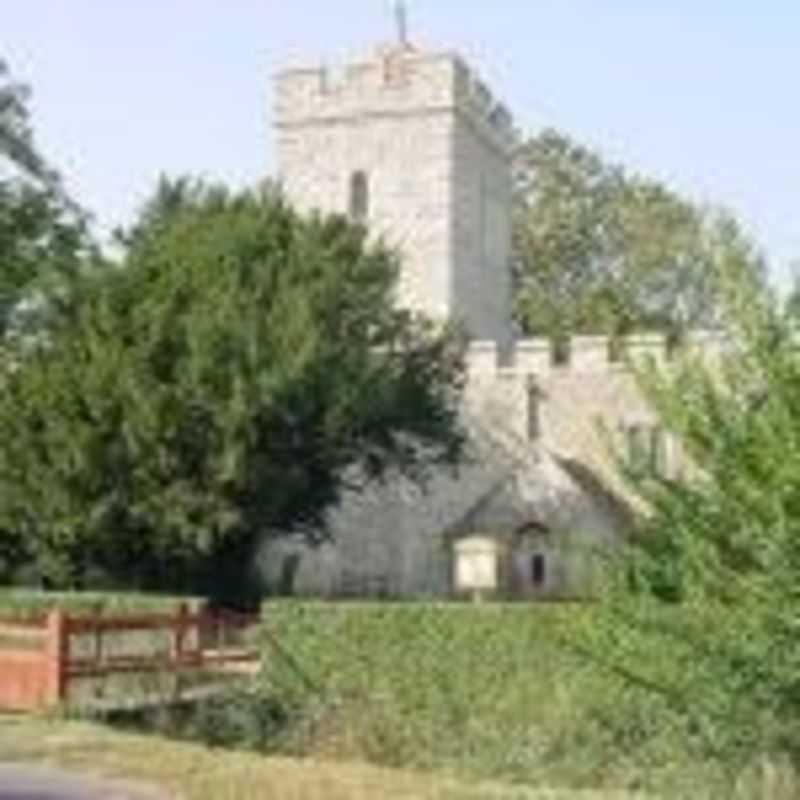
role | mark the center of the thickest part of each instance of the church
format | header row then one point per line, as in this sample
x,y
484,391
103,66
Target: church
x,y
413,144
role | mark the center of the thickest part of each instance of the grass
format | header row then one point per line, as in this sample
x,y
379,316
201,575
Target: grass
x,y
490,692
193,772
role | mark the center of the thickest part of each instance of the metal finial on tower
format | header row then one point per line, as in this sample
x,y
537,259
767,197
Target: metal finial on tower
x,y
401,20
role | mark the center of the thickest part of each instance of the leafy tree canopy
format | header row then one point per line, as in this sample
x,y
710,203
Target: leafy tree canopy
x,y
706,612
43,235
599,250
17,147
226,382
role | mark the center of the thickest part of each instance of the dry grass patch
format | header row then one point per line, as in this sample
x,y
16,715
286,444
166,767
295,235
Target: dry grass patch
x,y
193,772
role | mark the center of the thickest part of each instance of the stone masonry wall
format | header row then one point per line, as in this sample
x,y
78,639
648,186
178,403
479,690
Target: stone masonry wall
x,y
578,411
318,161
481,219
435,147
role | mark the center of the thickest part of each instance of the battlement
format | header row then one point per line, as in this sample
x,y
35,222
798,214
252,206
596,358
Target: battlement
x,y
586,354
395,81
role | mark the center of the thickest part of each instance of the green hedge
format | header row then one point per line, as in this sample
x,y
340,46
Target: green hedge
x,y
497,691
22,604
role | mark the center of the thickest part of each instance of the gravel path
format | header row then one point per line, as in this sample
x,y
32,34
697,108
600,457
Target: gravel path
x,y
24,782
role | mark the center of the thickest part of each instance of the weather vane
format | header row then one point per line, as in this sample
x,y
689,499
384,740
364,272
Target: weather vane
x,y
401,20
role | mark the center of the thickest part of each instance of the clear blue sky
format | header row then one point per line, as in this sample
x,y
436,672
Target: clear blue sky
x,y
700,93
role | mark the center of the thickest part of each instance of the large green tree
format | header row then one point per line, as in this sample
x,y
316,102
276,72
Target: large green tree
x,y
706,611
600,250
44,244
241,367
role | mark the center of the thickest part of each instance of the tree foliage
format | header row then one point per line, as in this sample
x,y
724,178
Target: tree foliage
x,y
44,237
17,147
600,250
226,382
708,609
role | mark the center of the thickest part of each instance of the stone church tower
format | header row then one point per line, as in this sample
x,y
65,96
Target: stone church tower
x,y
413,144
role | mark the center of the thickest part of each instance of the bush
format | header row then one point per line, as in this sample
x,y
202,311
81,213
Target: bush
x,y
239,718
23,604
494,691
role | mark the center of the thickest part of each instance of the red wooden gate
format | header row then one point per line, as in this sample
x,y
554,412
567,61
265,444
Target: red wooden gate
x,y
37,664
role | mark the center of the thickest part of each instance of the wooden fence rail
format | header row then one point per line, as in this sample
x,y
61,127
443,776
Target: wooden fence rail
x,y
38,662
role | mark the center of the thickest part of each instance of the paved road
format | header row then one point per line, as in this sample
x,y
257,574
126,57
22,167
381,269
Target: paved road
x,y
22,782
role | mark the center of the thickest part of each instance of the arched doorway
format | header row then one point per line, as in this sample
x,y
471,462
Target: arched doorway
x,y
535,567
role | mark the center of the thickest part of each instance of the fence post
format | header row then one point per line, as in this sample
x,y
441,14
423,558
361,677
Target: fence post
x,y
179,633
98,637
56,657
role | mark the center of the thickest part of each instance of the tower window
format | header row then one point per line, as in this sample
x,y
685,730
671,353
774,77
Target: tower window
x,y
646,450
359,196
534,401
538,573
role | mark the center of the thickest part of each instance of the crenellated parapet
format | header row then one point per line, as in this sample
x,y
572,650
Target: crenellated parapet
x,y
394,81
473,99
588,354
